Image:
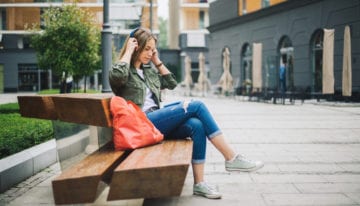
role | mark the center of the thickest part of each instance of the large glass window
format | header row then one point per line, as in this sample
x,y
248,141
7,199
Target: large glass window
x,y
31,78
202,20
2,19
265,3
316,49
246,68
244,9
286,64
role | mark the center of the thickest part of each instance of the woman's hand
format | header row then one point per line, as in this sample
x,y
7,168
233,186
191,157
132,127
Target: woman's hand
x,y
155,57
132,45
158,63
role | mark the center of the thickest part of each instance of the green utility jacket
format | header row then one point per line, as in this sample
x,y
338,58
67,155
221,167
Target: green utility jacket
x,y
125,82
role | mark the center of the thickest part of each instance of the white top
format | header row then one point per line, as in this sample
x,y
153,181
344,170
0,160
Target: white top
x,y
149,101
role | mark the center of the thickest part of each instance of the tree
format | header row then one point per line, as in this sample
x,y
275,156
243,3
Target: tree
x,y
69,43
163,33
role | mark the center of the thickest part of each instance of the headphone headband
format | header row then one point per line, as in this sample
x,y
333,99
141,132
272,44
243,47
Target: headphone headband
x,y
132,33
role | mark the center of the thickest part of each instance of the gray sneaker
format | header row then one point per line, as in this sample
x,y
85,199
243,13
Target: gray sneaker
x,y
203,189
240,163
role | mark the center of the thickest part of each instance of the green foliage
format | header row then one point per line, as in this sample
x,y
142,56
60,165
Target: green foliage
x,y
163,33
18,133
69,43
56,91
9,108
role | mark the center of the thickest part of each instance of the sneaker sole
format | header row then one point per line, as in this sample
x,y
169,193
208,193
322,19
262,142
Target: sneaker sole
x,y
208,196
245,170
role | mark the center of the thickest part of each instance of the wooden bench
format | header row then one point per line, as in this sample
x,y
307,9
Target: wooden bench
x,y
150,172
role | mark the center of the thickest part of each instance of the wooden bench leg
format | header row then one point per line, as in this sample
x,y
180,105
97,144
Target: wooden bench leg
x,y
81,183
152,172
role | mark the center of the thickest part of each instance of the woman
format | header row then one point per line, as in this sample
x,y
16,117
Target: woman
x,y
134,79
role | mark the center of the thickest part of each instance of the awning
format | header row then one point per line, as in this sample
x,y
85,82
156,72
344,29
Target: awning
x,y
226,80
328,62
256,67
346,74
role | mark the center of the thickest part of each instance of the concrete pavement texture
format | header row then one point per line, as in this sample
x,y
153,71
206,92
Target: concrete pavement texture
x,y
311,154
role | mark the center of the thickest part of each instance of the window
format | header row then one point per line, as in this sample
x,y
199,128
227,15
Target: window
x,y
246,68
202,20
195,40
28,77
2,19
244,9
265,3
316,49
31,78
286,59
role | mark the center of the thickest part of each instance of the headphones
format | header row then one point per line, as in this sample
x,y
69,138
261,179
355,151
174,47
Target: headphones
x,y
132,33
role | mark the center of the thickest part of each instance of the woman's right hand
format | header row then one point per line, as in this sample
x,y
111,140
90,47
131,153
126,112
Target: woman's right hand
x,y
132,45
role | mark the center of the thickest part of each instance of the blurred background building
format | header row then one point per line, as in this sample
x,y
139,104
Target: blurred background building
x,y
259,34
188,34
289,32
18,65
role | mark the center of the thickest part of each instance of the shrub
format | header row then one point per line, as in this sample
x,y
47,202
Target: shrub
x,y
9,108
19,133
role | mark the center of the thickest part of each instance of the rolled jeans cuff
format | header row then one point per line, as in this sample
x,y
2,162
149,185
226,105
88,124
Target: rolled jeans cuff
x,y
202,161
217,133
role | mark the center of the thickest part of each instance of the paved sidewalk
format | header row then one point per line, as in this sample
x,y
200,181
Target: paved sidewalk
x,y
311,154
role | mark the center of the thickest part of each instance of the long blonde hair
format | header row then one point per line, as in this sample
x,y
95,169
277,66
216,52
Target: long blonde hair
x,y
142,36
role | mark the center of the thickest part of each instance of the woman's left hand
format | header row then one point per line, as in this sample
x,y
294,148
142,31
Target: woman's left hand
x,y
155,57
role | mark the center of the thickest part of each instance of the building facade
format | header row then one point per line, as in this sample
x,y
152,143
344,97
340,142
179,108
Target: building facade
x,y
289,33
188,22
18,64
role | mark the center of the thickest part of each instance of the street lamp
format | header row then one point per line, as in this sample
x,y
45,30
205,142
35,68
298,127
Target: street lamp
x,y
106,38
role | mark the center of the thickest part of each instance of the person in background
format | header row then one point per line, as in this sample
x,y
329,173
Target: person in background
x,y
282,76
133,78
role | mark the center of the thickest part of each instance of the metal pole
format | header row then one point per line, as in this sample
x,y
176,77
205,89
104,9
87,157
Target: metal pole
x,y
106,38
151,14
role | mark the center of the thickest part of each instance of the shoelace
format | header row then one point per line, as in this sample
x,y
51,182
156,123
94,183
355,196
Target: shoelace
x,y
240,157
208,187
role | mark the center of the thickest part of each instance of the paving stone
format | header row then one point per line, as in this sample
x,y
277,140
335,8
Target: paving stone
x,y
308,199
311,154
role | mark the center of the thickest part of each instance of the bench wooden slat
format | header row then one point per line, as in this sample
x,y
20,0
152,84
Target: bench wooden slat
x,y
80,183
152,172
40,106
90,109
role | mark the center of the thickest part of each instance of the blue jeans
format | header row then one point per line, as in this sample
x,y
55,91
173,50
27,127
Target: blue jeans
x,y
178,122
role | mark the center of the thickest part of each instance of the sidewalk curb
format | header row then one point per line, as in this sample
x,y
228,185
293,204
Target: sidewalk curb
x,y
20,166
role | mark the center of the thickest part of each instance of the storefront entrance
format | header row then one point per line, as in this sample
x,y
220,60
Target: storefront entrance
x,y
31,78
286,64
316,60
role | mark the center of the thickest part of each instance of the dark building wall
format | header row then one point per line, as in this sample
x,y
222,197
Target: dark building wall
x,y
296,19
11,59
224,10
13,54
171,58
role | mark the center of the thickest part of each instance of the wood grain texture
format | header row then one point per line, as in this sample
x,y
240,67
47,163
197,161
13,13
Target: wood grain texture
x,y
152,172
80,183
90,109
39,106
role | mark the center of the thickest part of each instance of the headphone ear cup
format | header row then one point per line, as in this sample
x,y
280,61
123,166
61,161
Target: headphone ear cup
x,y
132,33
